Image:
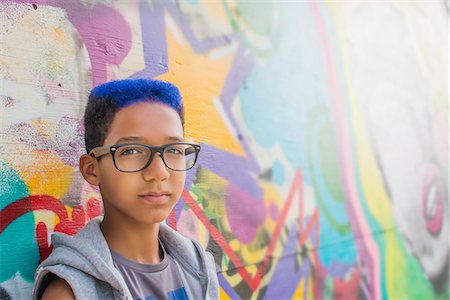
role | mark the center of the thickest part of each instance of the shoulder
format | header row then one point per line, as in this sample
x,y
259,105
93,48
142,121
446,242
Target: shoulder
x,y
186,250
58,288
176,243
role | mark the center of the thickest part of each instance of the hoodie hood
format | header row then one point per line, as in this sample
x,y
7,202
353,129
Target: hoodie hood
x,y
87,253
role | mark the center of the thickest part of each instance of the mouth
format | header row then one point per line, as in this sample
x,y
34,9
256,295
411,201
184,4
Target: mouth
x,y
155,197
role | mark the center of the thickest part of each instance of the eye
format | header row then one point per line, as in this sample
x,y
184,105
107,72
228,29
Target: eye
x,y
175,151
130,151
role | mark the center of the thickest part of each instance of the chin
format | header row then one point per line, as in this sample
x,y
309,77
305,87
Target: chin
x,y
154,218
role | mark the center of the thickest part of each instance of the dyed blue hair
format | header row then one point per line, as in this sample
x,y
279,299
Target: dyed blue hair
x,y
107,99
129,91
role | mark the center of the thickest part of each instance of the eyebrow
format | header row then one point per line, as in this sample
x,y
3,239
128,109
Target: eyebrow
x,y
139,139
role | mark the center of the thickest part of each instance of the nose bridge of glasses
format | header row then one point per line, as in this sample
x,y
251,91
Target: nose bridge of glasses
x,y
160,152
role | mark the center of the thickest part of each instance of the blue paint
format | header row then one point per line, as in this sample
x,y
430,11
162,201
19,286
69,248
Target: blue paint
x,y
328,235
278,173
277,110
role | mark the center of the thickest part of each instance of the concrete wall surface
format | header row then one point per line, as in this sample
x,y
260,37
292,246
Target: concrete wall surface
x,y
323,125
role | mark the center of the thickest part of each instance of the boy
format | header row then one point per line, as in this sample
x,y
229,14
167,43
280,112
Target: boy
x,y
134,133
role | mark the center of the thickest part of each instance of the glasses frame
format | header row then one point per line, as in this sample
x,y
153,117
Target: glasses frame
x,y
97,152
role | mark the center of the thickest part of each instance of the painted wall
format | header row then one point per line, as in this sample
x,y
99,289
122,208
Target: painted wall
x,y
324,167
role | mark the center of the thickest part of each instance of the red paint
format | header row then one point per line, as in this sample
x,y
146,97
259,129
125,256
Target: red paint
x,y
93,208
173,219
347,290
216,235
42,240
255,281
66,225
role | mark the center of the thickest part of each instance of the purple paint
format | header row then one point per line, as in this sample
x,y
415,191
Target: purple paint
x,y
30,136
245,213
239,71
104,31
234,168
155,42
225,285
106,35
287,273
68,142
274,212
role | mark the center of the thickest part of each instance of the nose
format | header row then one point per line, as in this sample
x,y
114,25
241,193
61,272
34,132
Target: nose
x,y
157,170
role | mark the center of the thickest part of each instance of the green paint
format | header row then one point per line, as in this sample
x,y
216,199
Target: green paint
x,y
18,248
329,162
257,15
328,288
252,20
341,228
210,189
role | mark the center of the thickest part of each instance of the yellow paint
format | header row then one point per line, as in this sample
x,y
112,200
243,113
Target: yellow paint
x,y
44,173
46,217
203,234
300,290
235,245
234,279
69,211
56,219
59,35
271,196
395,266
215,11
200,79
223,295
253,253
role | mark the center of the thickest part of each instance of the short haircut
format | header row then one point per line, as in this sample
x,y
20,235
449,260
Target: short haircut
x,y
107,99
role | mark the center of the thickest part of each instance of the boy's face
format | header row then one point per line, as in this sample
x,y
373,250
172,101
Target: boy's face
x,y
129,195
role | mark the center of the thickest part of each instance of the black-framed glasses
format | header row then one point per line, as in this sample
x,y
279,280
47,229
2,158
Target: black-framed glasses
x,y
134,157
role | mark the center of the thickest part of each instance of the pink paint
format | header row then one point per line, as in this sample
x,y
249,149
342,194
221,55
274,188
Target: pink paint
x,y
367,246
433,205
245,213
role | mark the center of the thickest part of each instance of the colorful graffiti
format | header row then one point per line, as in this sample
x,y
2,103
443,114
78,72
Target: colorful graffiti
x,y
324,164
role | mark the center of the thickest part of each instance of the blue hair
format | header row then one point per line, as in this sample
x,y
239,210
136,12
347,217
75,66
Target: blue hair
x,y
107,99
129,91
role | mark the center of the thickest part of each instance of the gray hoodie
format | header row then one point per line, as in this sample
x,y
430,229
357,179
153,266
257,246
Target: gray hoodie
x,y
85,262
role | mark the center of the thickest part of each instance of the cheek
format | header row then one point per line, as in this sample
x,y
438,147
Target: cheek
x,y
178,180
115,184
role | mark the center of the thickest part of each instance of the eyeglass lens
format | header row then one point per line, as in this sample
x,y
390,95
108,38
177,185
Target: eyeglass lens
x,y
130,158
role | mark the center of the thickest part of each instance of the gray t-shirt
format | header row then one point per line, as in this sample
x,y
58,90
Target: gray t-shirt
x,y
151,282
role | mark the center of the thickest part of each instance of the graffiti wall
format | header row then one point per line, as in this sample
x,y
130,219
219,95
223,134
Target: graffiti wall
x,y
323,125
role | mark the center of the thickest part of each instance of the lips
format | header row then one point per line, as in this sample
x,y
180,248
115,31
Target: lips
x,y
155,197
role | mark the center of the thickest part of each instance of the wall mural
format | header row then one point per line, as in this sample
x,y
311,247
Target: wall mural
x,y
323,125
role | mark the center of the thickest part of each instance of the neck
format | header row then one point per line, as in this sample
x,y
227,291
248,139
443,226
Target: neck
x,y
132,240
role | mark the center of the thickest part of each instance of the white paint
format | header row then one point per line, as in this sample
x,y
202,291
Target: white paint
x,y
20,103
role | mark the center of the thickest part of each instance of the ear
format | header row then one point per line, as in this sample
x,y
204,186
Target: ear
x,y
89,169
